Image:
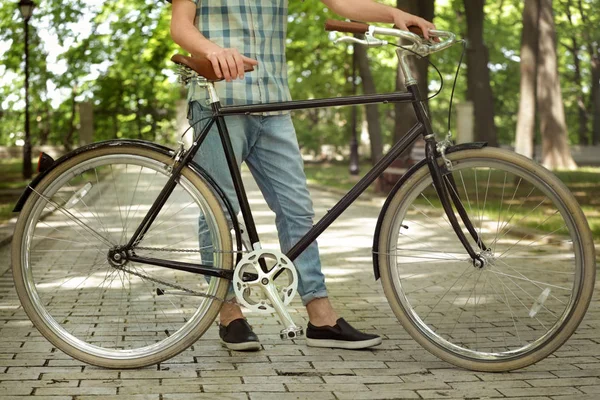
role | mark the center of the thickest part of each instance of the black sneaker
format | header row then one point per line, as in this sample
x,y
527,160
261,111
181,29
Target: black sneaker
x,y
238,335
341,336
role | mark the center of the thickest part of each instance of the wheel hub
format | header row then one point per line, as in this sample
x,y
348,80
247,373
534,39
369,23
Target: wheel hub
x,y
117,257
484,259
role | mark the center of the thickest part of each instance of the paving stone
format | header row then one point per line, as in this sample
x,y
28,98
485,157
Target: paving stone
x,y
326,387
399,368
292,396
377,394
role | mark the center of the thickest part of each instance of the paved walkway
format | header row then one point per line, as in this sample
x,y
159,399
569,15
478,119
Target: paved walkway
x,y
400,368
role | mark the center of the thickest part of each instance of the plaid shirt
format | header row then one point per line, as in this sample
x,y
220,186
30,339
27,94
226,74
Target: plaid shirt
x,y
257,28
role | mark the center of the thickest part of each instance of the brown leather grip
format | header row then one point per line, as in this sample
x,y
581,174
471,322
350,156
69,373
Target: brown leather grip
x,y
416,30
343,26
202,66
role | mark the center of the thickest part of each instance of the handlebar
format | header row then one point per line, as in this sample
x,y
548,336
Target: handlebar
x,y
415,35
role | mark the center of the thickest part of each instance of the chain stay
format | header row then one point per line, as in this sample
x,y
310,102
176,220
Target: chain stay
x,y
174,286
185,250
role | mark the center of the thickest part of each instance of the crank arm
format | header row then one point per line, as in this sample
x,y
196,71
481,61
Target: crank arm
x,y
291,331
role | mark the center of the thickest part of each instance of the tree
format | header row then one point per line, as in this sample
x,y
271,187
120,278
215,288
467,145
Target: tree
x,y
478,75
592,40
575,50
372,110
553,129
404,115
529,58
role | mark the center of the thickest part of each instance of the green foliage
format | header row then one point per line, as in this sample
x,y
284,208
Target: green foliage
x,y
116,54
120,62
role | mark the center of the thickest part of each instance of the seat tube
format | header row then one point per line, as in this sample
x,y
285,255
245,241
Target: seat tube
x,y
236,176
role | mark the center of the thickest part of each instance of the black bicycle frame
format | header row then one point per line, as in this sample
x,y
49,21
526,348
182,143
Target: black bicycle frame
x,y
421,128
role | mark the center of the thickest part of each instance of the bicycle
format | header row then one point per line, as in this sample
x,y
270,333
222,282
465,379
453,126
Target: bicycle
x,y
106,260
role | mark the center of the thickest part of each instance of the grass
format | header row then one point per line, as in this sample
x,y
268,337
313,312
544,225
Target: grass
x,y
335,175
584,183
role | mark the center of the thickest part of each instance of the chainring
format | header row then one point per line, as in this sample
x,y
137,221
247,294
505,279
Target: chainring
x,y
250,281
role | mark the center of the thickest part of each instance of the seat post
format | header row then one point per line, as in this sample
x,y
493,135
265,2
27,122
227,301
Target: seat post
x,y
213,97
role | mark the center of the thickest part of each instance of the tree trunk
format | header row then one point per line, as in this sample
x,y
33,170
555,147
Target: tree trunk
x,y
68,140
404,114
594,52
372,112
529,54
595,94
581,106
478,75
555,148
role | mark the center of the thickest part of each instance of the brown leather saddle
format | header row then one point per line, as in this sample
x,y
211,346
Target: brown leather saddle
x,y
202,66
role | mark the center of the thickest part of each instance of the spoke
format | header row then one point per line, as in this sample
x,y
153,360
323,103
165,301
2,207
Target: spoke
x,y
99,195
431,219
537,240
425,243
499,214
135,316
529,280
450,288
82,200
76,220
441,211
112,173
512,315
148,285
523,218
483,209
153,230
533,282
520,301
464,307
139,203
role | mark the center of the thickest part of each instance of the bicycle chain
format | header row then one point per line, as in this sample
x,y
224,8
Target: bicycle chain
x,y
184,289
186,250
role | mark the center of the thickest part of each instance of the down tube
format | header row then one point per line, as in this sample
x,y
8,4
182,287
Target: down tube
x,y
356,191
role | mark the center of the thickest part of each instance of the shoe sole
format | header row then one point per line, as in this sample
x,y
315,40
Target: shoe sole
x,y
343,344
246,346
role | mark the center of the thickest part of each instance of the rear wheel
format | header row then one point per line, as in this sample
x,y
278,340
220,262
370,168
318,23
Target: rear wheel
x,y
539,271
95,309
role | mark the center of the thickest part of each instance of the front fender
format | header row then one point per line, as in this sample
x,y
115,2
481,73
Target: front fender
x,y
404,178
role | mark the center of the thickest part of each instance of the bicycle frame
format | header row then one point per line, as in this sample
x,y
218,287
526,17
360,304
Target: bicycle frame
x,y
421,128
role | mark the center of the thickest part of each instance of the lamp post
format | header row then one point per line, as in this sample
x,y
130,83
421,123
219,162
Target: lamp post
x,y
26,7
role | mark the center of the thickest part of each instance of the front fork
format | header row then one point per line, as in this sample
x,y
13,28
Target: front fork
x,y
446,189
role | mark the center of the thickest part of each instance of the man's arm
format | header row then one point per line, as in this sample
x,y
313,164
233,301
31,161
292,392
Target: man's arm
x,y
227,63
371,11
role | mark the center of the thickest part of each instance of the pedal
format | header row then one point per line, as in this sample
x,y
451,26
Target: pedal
x,y
292,332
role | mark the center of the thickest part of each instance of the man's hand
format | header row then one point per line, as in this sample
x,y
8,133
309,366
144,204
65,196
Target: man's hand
x,y
372,11
229,63
404,20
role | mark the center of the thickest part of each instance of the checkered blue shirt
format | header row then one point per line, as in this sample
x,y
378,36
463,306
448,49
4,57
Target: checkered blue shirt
x,y
257,28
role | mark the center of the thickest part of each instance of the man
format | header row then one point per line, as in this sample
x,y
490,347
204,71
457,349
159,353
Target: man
x,y
233,34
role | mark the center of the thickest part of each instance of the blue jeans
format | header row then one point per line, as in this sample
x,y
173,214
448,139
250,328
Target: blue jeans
x,y
269,146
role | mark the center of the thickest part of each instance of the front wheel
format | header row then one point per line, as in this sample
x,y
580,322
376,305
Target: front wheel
x,y
539,271
108,313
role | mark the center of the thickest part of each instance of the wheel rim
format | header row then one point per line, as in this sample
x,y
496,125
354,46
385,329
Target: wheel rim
x,y
438,287
139,313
